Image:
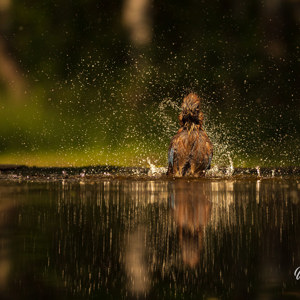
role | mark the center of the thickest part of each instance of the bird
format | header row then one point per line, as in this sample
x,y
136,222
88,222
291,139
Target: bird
x,y
190,152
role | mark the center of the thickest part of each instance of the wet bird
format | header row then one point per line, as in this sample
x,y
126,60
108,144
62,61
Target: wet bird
x,y
190,152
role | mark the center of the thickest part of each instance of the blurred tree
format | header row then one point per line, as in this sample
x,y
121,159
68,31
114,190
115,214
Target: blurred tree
x,y
10,73
137,19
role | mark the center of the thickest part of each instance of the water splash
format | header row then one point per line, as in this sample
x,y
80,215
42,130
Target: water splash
x,y
230,169
214,172
155,171
135,114
258,171
166,117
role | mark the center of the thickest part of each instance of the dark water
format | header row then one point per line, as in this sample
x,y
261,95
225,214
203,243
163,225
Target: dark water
x,y
158,239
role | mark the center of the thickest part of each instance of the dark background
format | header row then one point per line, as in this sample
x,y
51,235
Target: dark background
x,y
100,82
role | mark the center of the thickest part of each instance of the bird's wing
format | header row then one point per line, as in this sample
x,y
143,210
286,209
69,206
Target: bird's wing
x,y
171,155
209,156
209,162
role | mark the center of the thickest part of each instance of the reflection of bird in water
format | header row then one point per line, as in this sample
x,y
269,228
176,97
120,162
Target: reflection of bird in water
x,y
190,151
192,210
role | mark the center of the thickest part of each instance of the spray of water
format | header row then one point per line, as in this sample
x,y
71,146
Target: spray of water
x,y
126,116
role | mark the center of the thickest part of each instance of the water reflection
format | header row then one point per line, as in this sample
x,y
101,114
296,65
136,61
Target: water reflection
x,y
191,204
135,262
227,239
6,213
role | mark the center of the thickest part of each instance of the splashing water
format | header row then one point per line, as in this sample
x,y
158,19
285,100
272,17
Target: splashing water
x,y
166,121
154,171
134,115
258,171
167,116
230,169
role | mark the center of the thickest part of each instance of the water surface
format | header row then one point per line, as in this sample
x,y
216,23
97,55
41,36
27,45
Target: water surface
x,y
120,238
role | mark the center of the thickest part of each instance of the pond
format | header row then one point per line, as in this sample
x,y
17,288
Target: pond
x,y
233,237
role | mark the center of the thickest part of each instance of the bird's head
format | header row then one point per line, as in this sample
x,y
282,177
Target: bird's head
x,y
191,110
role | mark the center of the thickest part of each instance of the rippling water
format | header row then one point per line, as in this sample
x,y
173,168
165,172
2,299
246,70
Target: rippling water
x,y
217,238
